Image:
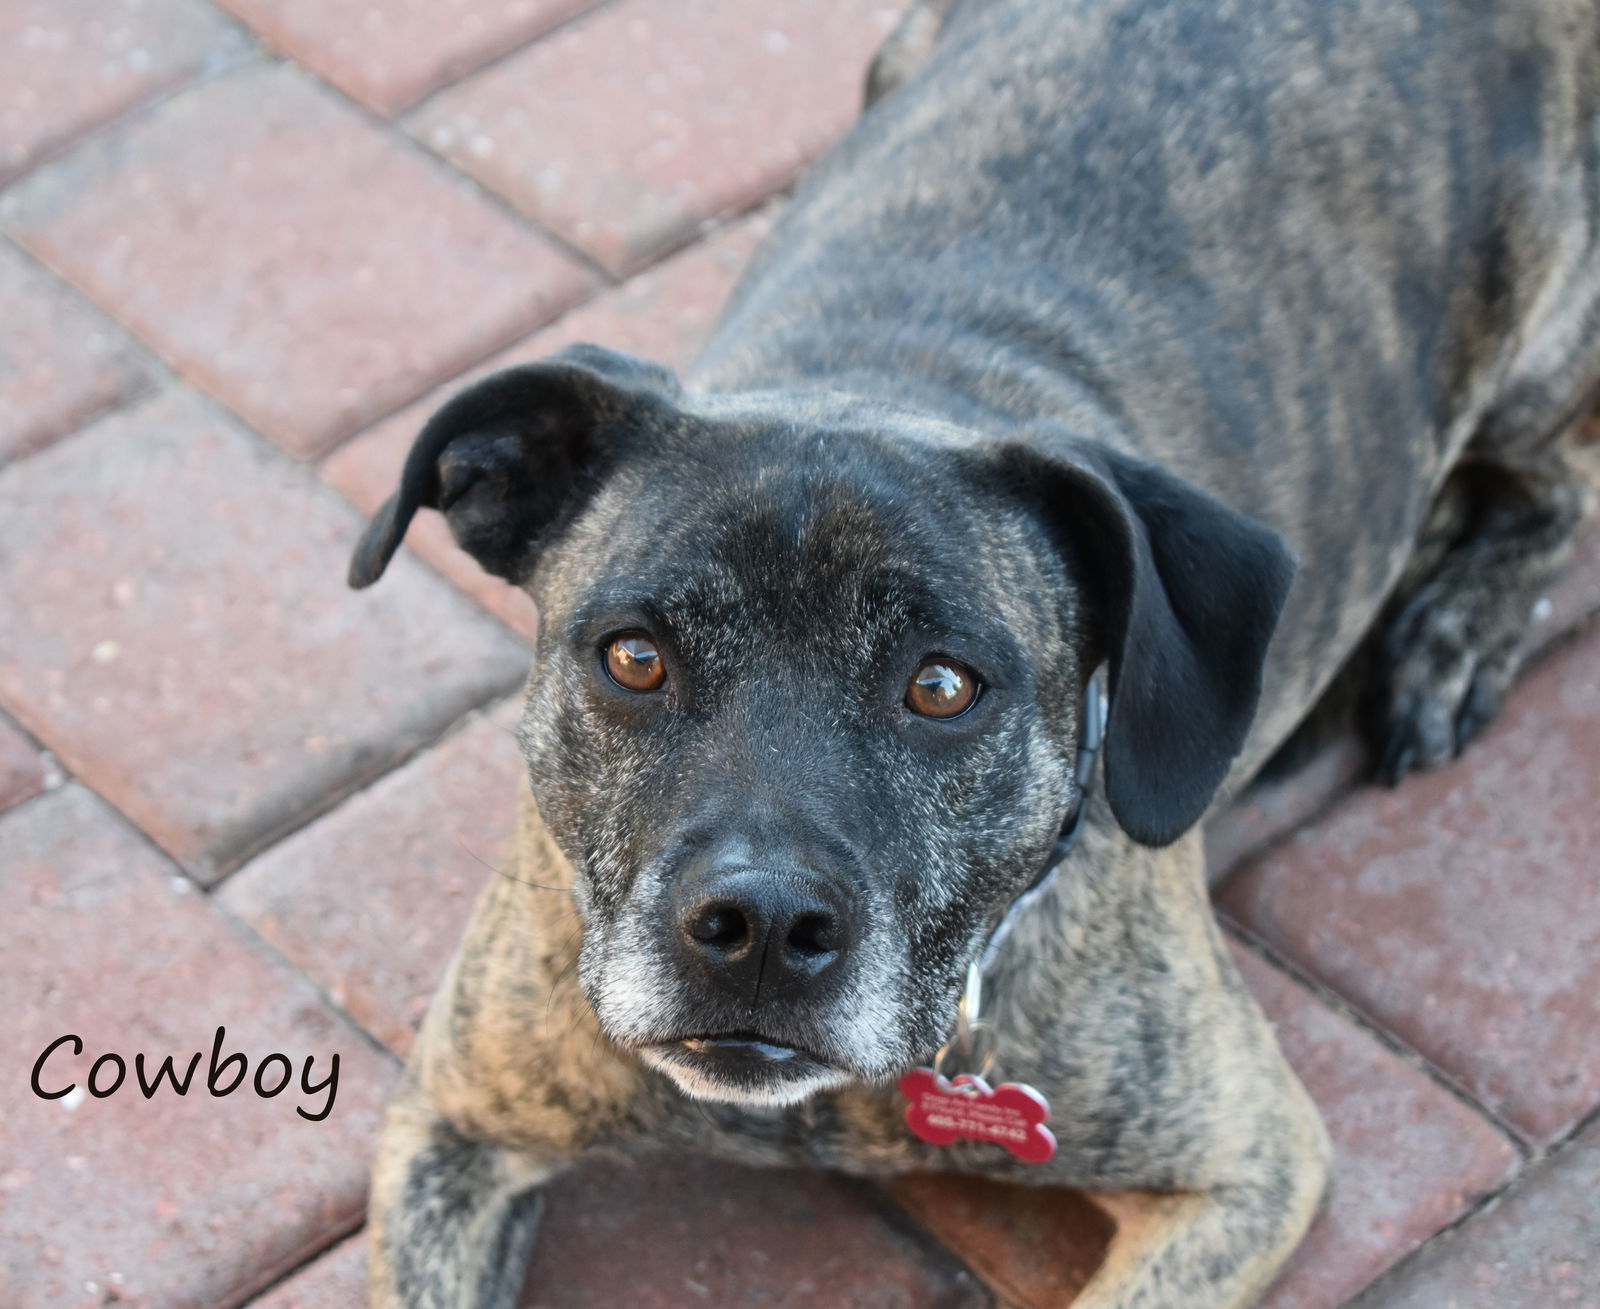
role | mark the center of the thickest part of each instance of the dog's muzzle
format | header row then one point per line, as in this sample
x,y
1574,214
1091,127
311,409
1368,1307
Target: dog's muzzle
x,y
765,947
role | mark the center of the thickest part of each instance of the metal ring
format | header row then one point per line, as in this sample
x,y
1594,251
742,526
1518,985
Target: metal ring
x,y
969,1010
981,1038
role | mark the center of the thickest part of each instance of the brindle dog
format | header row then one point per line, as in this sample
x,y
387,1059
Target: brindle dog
x,y
1105,313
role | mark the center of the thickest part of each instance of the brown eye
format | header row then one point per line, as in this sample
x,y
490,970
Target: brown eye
x,y
941,688
635,663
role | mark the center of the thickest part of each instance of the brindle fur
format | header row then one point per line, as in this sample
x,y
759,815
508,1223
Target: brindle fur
x,y
1334,264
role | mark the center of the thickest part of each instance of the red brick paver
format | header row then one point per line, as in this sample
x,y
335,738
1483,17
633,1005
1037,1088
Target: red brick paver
x,y
65,68
390,55
663,314
672,1231
309,271
1272,809
627,128
1538,1248
337,1280
1454,908
183,640
1408,1157
371,900
61,362
184,1201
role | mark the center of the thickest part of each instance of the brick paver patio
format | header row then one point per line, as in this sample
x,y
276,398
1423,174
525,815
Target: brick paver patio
x,y
244,248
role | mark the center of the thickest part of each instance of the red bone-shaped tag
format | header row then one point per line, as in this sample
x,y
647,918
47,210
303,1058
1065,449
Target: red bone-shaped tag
x,y
1012,1115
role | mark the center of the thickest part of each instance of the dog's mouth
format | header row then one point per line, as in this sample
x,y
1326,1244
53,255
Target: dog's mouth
x,y
753,1048
742,1067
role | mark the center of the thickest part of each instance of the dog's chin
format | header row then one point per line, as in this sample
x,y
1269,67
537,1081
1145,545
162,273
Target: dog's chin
x,y
742,1070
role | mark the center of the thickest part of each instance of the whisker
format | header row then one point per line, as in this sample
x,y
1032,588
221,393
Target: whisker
x,y
555,982
493,868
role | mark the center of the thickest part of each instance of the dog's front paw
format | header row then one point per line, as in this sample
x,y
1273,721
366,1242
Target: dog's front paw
x,y
1442,678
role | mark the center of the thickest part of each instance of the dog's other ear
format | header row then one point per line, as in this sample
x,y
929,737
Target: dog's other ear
x,y
512,456
1189,591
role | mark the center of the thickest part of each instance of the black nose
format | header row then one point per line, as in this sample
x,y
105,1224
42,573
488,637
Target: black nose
x,y
763,935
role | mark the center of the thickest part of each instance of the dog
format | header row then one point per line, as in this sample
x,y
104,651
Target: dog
x,y
1125,348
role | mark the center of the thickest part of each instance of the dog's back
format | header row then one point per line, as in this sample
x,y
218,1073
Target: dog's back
x,y
1288,250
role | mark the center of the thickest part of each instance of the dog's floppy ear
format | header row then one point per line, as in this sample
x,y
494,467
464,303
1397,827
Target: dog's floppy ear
x,y
513,455
1189,591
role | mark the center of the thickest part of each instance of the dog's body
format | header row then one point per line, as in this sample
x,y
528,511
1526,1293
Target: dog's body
x,y
1090,274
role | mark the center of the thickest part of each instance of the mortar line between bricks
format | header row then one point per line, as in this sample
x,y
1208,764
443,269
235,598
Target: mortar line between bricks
x,y
233,920
700,235
709,226
498,345
1393,1271
296,1264
202,76
334,797
503,56
1546,649
56,773
173,369
320,456
278,1282
308,469
900,1220
1526,1149
160,369
10,719
1524,1178
292,1264
142,391
394,130
172,373
331,799
461,723
176,870
18,806
694,233
69,777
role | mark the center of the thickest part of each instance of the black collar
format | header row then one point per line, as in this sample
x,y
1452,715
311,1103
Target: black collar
x,y
1091,733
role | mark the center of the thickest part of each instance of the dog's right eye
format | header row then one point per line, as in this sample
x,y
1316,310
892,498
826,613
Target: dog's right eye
x,y
633,662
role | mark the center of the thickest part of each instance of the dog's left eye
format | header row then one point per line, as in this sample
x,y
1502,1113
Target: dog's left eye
x,y
941,688
634,662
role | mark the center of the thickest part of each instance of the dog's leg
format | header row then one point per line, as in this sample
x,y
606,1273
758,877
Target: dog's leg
x,y
451,1219
906,48
1204,1108
510,1083
1217,1250
1450,646
1450,650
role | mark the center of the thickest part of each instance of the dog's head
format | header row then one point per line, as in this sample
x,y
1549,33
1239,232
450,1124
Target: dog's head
x,y
805,705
